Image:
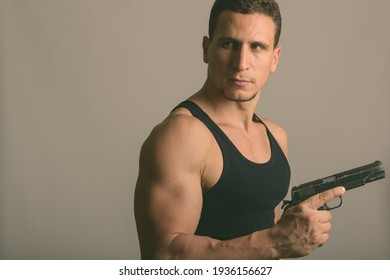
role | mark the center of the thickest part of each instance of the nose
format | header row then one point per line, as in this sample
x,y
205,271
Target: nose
x,y
241,59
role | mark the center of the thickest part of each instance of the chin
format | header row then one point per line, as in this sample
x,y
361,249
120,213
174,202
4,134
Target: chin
x,y
239,97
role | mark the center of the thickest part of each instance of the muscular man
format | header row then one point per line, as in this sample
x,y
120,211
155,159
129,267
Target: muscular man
x,y
212,174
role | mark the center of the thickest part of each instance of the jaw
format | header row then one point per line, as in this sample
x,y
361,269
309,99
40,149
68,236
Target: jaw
x,y
240,97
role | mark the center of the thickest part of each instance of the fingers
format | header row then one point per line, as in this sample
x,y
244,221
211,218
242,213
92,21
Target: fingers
x,y
320,199
324,237
322,227
324,217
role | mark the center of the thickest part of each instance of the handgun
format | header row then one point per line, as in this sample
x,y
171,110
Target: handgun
x,y
349,179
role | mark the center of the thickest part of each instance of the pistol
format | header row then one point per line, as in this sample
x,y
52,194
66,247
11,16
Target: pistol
x,y
349,179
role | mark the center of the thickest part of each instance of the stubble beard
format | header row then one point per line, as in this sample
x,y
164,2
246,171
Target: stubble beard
x,y
239,100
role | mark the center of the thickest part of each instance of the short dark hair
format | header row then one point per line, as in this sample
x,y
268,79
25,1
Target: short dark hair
x,y
266,7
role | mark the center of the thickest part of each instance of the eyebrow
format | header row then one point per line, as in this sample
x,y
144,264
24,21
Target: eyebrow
x,y
227,38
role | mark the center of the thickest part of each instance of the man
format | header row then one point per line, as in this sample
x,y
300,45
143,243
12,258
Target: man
x,y
212,174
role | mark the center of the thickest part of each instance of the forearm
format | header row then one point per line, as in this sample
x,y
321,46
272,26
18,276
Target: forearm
x,y
258,245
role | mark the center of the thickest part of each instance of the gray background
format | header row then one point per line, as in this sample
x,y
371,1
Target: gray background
x,y
82,83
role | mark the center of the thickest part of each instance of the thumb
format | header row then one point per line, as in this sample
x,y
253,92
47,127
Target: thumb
x,y
316,201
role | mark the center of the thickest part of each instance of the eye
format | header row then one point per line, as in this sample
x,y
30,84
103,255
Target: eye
x,y
229,45
257,47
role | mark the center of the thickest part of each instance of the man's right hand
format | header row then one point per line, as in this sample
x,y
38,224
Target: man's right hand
x,y
303,228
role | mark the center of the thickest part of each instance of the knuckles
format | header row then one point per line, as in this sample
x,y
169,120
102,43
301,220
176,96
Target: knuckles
x,y
322,197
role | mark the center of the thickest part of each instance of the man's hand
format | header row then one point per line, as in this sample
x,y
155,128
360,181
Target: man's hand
x,y
303,228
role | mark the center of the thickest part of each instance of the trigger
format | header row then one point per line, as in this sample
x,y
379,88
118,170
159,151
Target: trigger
x,y
326,207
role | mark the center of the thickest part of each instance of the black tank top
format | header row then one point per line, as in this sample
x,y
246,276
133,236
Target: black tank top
x,y
245,196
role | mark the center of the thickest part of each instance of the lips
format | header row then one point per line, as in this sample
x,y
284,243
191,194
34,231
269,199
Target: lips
x,y
239,82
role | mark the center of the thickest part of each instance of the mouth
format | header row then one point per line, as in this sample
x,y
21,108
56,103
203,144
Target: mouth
x,y
239,82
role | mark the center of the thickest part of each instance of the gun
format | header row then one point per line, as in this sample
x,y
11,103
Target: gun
x,y
349,179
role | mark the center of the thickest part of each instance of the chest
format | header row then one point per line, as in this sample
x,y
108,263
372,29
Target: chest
x,y
254,147
245,184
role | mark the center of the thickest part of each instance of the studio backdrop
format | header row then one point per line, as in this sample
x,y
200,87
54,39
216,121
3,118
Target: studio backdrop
x,y
83,82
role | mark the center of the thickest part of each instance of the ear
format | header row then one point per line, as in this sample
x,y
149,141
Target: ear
x,y
205,45
275,60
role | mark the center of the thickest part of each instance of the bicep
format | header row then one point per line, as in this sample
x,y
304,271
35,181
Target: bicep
x,y
169,205
168,198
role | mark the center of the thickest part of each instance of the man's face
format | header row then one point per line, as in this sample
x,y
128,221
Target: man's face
x,y
241,55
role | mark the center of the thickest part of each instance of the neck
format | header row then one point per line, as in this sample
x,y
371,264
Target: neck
x,y
224,111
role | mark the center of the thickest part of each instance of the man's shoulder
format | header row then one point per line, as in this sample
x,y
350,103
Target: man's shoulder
x,y
180,123
180,131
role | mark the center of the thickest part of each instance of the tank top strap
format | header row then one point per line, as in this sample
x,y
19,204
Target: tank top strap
x,y
197,112
272,138
257,119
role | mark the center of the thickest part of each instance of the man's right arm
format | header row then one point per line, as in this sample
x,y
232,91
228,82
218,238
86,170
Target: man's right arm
x,y
168,196
168,203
